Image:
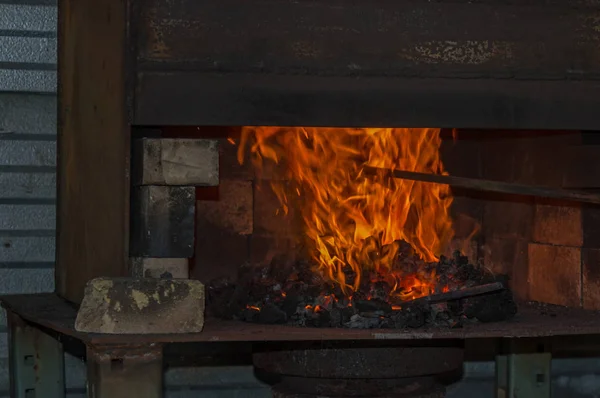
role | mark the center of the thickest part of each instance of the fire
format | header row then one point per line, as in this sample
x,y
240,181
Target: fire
x,y
351,219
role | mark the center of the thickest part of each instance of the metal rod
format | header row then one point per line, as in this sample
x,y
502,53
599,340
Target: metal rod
x,y
457,294
487,185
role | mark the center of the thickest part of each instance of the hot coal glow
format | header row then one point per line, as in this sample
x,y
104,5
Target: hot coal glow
x,y
353,224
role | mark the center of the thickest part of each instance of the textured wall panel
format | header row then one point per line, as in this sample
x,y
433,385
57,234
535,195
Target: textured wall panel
x,y
28,18
27,114
40,81
20,250
27,186
13,281
27,217
28,47
33,50
27,153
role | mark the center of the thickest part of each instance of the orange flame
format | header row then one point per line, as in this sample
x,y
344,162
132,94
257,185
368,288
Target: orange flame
x,y
351,219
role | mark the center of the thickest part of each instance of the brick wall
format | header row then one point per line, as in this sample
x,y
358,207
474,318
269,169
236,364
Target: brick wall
x,y
549,248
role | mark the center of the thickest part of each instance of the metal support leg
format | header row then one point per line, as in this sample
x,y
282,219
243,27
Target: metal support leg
x,y
523,374
37,367
125,372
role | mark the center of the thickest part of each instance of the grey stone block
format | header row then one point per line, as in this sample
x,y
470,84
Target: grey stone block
x,y
162,222
183,162
141,306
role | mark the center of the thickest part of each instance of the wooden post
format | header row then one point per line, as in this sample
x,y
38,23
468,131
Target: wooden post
x,y
93,143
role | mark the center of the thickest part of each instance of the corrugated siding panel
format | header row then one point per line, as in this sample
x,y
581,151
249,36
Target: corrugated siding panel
x,y
29,50
41,81
14,152
27,186
28,47
27,156
28,18
17,218
27,114
18,251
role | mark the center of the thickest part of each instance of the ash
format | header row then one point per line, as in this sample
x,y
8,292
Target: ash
x,y
293,294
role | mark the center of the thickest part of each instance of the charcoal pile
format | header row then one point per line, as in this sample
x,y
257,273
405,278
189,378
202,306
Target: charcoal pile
x,y
294,294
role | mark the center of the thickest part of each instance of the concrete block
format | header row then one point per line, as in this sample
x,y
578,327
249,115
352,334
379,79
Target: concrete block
x,y
161,268
170,161
162,221
141,306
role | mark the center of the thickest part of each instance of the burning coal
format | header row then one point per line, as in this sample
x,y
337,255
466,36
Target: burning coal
x,y
353,221
374,242
292,293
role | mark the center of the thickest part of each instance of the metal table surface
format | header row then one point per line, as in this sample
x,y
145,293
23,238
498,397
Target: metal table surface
x,y
56,315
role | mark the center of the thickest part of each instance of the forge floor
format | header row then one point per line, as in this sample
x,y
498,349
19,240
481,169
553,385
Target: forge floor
x,y
56,315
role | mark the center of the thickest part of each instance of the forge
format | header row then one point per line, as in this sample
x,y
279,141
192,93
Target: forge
x,y
279,183
352,183
363,250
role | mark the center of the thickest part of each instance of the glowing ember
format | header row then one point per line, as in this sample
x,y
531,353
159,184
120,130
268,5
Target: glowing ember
x,y
352,221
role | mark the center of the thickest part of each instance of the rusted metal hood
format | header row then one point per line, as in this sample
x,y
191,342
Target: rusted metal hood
x,y
490,63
